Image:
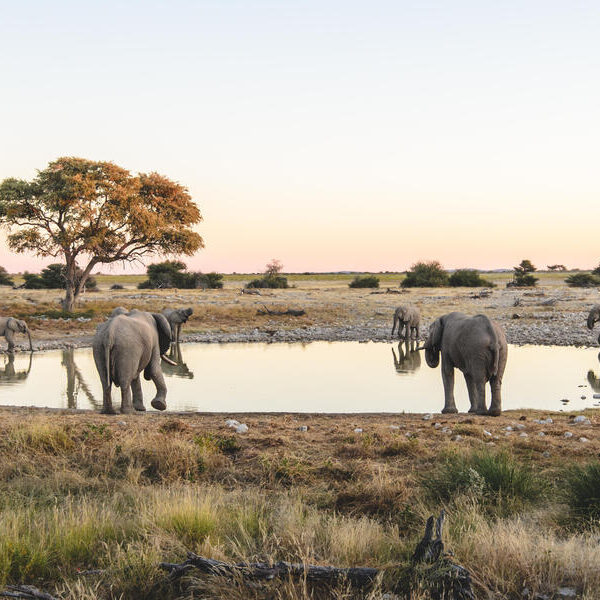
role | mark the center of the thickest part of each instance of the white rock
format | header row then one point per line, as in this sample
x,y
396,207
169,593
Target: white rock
x,y
457,438
428,417
546,454
583,439
582,419
568,434
523,434
446,430
520,426
487,433
394,427
241,428
358,430
541,434
232,423
508,428
566,592
437,425
303,428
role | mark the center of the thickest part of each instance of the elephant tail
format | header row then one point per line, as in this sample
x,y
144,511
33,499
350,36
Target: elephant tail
x,y
107,362
494,348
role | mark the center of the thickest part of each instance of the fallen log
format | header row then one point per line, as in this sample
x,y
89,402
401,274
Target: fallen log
x,y
25,592
430,570
289,311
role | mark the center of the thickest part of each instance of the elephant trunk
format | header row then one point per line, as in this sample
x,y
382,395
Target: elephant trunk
x,y
432,357
30,344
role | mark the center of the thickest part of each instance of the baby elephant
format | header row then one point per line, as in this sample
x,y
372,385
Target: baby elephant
x,y
593,317
409,318
177,317
9,326
475,345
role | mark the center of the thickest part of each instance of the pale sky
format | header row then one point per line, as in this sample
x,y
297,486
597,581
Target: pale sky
x,y
328,134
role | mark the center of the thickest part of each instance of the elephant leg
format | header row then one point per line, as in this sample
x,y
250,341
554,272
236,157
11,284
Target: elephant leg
x,y
448,379
472,389
178,332
159,401
481,407
138,397
107,407
10,338
126,403
496,404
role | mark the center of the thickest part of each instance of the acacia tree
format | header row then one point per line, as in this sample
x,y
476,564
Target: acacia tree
x,y
96,213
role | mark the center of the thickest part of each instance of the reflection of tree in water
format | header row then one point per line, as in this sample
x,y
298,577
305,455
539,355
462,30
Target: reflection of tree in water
x,y
179,370
408,359
9,373
75,381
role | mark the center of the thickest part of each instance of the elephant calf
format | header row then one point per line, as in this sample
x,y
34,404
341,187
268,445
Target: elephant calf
x,y
475,345
409,318
9,326
126,345
593,317
177,317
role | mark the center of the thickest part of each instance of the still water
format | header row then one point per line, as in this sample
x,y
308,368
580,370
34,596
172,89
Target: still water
x,y
331,377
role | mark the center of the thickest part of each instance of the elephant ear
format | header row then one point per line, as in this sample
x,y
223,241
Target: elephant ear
x,y
434,342
13,324
593,316
164,332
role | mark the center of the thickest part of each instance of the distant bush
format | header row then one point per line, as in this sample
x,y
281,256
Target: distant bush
x,y
365,281
468,278
53,277
596,271
582,280
582,489
426,274
522,276
5,278
173,274
269,281
116,286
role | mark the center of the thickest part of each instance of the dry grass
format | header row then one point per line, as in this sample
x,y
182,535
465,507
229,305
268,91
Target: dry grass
x,y
121,494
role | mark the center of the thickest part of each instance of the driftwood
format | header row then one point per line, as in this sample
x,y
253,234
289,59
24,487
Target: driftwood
x,y
391,291
25,592
289,311
430,570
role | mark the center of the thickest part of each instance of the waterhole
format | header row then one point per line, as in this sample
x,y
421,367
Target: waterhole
x,y
322,377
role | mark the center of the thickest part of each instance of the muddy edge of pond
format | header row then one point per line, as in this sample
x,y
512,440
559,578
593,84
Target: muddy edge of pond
x,y
567,329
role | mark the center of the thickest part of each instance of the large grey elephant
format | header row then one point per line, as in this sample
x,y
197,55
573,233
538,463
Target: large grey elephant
x,y
409,319
126,345
593,317
177,317
9,326
475,345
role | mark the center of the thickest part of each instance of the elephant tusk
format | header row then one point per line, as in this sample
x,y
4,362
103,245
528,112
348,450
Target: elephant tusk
x,y
168,360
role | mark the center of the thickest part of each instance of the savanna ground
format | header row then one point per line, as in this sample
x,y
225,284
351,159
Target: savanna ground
x,y
90,505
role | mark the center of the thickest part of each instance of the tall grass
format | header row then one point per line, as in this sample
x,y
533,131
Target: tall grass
x,y
582,490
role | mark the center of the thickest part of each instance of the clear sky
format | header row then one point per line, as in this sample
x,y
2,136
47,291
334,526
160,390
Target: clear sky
x,y
328,134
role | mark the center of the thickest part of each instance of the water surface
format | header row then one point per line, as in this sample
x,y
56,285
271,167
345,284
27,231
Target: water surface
x,y
330,377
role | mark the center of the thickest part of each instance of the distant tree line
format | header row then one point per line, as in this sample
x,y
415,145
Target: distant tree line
x,y
54,277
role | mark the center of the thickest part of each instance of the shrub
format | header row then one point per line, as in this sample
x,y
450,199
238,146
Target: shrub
x,y
53,277
5,278
173,274
522,276
426,274
596,271
116,286
582,280
366,281
468,278
212,280
582,490
33,281
495,478
272,281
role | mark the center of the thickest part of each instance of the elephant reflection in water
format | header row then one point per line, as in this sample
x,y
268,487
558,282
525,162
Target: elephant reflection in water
x,y
593,380
408,359
76,382
180,369
9,373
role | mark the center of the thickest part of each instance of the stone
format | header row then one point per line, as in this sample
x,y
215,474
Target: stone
x,y
541,434
568,434
519,426
583,440
487,433
523,434
581,419
546,454
508,428
241,428
437,425
232,423
427,417
566,592
394,427
358,430
303,428
457,438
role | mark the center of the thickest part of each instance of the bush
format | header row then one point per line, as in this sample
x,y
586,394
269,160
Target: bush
x,y
495,478
173,274
582,490
116,286
5,278
582,280
269,281
426,274
366,281
522,276
53,277
468,278
212,280
33,281
596,271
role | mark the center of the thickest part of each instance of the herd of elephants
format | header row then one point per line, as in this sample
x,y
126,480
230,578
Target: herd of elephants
x,y
131,342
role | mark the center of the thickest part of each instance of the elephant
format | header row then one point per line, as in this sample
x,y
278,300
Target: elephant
x,y
475,345
177,317
408,359
9,373
9,326
180,368
123,347
593,317
409,318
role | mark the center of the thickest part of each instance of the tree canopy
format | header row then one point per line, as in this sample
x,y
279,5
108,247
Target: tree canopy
x,y
426,274
96,212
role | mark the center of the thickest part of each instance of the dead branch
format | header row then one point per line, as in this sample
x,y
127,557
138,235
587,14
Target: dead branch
x,y
25,592
289,311
430,569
